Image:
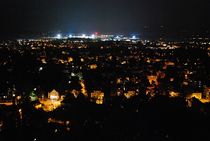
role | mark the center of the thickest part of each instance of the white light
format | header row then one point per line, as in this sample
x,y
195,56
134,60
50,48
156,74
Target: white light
x,y
83,35
92,36
54,97
58,36
56,130
73,74
70,36
41,68
134,37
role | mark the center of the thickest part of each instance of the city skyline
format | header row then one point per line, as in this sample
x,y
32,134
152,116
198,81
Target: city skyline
x,y
149,18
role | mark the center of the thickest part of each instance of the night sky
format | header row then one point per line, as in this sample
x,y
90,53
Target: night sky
x,y
104,16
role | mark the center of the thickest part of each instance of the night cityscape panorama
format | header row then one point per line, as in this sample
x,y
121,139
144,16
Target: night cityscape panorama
x,y
121,70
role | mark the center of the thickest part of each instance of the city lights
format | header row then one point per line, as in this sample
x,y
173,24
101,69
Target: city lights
x,y
93,36
103,70
70,36
58,36
87,81
84,36
134,37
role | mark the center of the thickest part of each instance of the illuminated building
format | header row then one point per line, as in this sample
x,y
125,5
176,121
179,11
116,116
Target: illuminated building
x,y
70,59
130,94
173,94
97,97
169,63
83,89
38,106
152,79
198,96
8,103
51,103
93,66
53,95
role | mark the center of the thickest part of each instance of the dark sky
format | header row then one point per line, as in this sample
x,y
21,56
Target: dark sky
x,y
104,16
